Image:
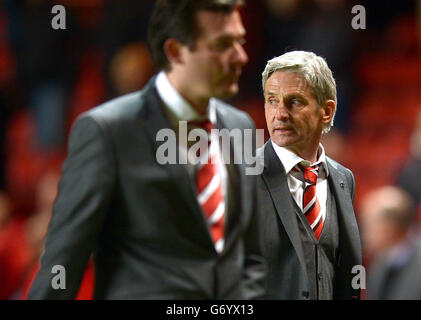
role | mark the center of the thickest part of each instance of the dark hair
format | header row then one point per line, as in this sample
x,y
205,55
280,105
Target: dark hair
x,y
177,19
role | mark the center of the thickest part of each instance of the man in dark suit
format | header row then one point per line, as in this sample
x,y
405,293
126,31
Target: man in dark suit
x,y
392,245
161,231
311,237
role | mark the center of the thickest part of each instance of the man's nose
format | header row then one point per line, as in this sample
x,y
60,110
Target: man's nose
x,y
240,55
281,112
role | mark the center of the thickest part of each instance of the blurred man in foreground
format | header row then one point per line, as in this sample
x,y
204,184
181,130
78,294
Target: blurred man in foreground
x,y
392,245
161,231
311,238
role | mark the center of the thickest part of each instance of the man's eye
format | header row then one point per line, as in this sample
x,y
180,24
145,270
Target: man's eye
x,y
271,101
220,46
295,102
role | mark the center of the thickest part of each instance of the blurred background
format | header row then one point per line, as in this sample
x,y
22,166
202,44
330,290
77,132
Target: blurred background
x,y
48,77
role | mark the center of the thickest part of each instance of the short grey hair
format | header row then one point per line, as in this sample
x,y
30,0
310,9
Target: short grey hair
x,y
312,68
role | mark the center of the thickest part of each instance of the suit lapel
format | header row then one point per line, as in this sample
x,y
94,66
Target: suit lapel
x,y
154,119
234,172
277,184
346,217
349,238
341,190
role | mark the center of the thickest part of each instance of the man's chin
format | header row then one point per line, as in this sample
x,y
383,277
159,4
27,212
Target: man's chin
x,y
228,92
282,141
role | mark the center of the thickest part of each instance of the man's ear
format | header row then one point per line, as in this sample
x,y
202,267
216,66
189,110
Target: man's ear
x,y
328,110
173,51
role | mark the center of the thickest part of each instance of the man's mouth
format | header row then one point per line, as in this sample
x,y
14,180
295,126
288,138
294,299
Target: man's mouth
x,y
234,76
282,130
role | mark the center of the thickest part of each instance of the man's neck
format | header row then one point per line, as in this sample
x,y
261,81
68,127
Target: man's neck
x,y
185,90
309,155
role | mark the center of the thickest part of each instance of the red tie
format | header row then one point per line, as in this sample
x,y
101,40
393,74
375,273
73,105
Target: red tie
x,y
311,206
209,191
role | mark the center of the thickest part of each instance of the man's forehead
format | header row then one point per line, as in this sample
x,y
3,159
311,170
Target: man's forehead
x,y
285,82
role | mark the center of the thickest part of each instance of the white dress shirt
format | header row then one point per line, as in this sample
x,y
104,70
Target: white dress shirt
x,y
295,180
183,111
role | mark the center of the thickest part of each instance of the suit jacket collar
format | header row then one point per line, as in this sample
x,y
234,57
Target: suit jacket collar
x,y
234,171
153,119
343,193
276,181
290,159
349,238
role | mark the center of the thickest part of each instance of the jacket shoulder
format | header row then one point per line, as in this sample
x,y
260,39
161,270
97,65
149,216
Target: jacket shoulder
x,y
339,166
116,109
121,109
229,112
343,170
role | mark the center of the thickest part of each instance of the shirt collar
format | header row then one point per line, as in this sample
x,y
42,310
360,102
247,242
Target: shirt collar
x,y
289,159
178,105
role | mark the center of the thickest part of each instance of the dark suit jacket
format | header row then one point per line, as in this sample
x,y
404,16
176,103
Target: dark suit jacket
x,y
400,282
142,220
287,276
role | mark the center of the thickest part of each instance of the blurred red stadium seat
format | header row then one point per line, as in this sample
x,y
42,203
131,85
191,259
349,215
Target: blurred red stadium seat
x,y
90,87
25,162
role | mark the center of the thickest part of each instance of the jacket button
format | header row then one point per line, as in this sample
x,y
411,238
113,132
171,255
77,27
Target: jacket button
x,y
319,276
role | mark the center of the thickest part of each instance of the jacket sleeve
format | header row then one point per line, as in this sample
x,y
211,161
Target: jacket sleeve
x,y
84,194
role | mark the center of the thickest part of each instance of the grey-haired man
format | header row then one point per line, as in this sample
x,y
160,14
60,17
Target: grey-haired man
x,y
311,237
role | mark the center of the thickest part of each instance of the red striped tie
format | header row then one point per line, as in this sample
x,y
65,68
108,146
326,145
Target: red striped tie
x,y
311,206
209,191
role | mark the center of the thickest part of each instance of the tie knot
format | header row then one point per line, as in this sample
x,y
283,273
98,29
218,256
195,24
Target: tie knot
x,y
203,124
310,173
306,169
